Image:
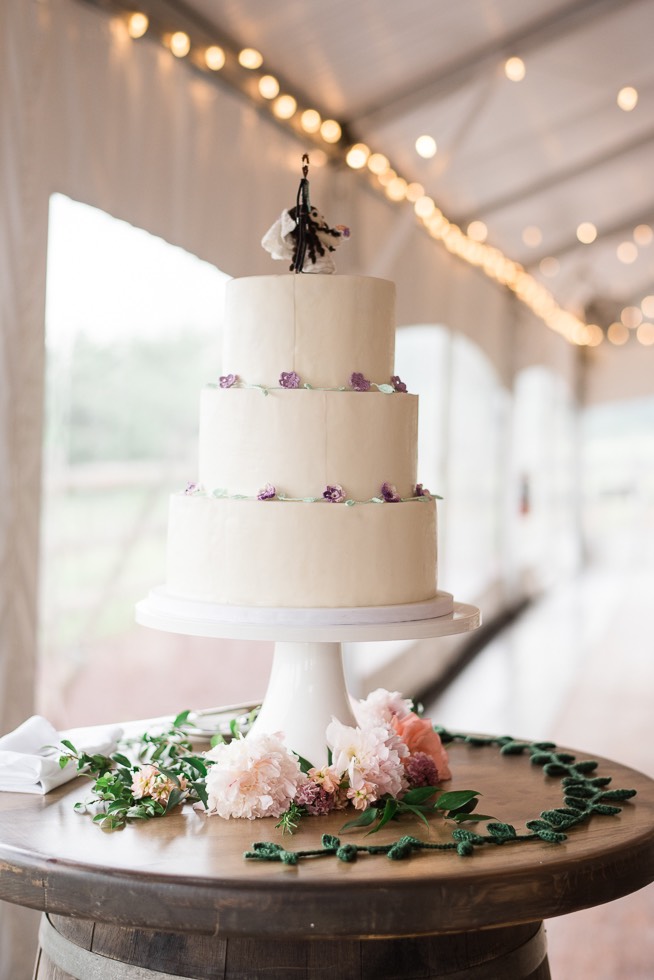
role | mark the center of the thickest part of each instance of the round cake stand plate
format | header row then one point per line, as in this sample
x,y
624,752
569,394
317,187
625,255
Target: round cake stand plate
x,y
307,685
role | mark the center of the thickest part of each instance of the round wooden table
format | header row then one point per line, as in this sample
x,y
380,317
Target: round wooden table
x,y
174,897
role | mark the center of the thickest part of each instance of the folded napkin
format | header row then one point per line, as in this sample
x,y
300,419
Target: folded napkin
x,y
29,756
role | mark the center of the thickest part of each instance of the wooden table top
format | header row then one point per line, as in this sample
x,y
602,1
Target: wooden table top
x,y
186,872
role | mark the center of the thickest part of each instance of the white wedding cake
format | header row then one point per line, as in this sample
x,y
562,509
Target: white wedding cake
x,y
307,493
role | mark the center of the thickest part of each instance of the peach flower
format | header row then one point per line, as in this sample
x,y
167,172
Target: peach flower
x,y
419,736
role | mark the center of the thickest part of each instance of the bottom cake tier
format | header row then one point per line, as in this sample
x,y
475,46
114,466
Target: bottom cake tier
x,y
296,554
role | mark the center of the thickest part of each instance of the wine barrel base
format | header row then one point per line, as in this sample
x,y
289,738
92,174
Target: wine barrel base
x,y
77,949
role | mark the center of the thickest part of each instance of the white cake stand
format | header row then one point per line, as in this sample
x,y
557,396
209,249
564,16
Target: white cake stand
x,y
307,682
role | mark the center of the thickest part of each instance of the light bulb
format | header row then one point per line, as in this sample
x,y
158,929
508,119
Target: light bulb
x,y
586,232
426,147
137,24
268,86
357,156
250,58
627,98
284,106
310,121
180,44
214,57
330,131
514,69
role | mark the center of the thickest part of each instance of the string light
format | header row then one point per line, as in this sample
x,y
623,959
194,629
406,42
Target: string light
x,y
514,69
647,306
137,24
214,57
618,334
627,98
627,252
426,147
469,245
645,334
268,87
250,58
330,131
179,44
357,156
643,235
631,316
586,232
310,121
284,107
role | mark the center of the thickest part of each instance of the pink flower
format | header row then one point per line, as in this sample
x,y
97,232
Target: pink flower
x,y
421,770
148,781
380,707
363,795
334,494
315,799
227,380
358,382
289,379
389,493
397,383
252,777
373,756
267,493
419,736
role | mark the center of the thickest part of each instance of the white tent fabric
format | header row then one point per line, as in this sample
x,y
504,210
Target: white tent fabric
x,y
123,126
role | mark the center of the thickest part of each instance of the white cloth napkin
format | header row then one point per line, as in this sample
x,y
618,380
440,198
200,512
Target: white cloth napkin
x,y
29,763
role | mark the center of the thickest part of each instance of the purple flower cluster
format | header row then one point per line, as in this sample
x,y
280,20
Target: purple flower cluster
x,y
421,770
397,383
267,493
389,493
227,380
191,488
421,491
289,379
315,799
358,382
335,494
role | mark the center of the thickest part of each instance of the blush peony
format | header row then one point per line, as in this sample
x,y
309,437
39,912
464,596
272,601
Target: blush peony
x,y
252,777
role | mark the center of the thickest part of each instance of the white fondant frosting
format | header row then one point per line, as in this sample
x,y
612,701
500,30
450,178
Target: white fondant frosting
x,y
227,548
322,327
274,553
302,441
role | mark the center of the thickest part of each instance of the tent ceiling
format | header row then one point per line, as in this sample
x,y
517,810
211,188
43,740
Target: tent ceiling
x,y
551,151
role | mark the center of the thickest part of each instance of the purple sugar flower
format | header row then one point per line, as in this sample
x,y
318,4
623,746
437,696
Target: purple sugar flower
x,y
421,770
191,488
359,383
227,380
289,379
335,494
315,799
421,491
397,383
389,493
268,492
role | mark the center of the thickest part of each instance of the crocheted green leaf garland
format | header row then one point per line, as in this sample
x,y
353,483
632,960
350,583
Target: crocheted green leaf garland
x,y
584,796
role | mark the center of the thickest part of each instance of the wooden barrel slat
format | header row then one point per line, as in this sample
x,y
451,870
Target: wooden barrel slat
x,y
79,950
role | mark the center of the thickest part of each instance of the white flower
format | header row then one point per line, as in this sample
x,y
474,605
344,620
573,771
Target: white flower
x,y
252,777
371,759
380,707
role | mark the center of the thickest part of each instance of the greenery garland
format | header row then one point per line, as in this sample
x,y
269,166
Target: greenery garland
x,y
584,796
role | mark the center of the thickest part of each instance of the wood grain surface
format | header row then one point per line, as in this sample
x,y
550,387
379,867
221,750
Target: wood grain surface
x,y
187,873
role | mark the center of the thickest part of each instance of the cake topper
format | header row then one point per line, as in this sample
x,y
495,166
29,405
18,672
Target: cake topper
x,y
302,234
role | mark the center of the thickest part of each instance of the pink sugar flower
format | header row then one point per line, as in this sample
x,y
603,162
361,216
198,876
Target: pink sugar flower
x,y
289,379
358,382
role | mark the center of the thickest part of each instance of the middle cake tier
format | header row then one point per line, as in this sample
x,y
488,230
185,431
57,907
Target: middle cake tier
x,y
302,441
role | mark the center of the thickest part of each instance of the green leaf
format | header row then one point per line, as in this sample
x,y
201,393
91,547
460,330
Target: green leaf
x,y
419,794
69,745
181,718
122,760
350,503
416,811
305,765
365,818
456,799
63,761
387,389
390,809
460,816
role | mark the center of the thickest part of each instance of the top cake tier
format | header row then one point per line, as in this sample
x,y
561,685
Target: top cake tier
x,y
322,327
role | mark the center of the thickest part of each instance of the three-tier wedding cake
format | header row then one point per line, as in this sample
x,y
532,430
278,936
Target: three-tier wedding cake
x,y
307,494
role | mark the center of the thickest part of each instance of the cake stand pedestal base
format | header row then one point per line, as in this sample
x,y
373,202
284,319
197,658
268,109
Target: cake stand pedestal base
x,y
305,691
